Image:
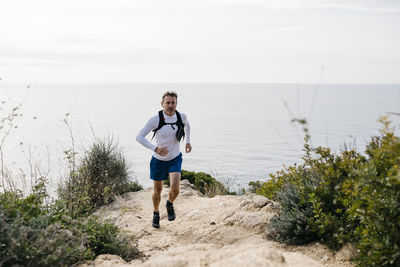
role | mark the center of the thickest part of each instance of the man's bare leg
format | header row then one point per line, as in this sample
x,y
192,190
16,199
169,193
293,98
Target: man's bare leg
x,y
174,180
157,194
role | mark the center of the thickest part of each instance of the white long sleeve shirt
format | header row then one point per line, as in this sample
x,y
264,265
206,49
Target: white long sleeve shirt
x,y
166,136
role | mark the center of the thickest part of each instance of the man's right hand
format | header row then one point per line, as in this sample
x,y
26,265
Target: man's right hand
x,y
162,151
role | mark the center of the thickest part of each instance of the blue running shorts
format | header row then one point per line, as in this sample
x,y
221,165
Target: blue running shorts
x,y
159,169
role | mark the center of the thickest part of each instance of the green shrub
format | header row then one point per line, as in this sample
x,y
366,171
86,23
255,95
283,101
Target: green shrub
x,y
319,182
131,187
292,223
57,234
13,206
36,242
377,203
36,235
106,238
254,186
290,175
348,197
204,182
31,235
101,174
331,203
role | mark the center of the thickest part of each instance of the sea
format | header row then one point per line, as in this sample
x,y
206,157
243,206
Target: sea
x,y
239,132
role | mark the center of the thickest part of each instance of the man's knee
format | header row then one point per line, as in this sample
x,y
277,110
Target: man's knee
x,y
157,188
174,179
175,189
157,192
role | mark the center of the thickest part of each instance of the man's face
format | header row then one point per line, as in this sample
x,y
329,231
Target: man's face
x,y
169,105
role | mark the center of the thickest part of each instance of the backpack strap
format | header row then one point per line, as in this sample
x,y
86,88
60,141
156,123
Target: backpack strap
x,y
161,122
179,122
180,133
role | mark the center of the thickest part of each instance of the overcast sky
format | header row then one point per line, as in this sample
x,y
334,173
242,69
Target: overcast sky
x,y
295,41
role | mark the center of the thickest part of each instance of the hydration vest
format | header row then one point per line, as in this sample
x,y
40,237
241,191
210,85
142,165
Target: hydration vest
x,y
180,133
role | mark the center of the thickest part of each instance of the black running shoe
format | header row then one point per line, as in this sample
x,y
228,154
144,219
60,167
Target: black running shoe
x,y
156,220
170,210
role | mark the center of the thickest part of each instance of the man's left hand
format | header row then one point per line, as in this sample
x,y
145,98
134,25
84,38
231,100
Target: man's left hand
x,y
188,148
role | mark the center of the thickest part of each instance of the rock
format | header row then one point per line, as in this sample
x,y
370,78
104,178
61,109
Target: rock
x,y
186,194
222,204
251,202
253,221
325,259
168,262
108,260
199,194
271,208
248,220
250,195
260,201
186,184
245,203
194,214
346,252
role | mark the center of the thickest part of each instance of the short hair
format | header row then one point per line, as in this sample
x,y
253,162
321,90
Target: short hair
x,y
170,93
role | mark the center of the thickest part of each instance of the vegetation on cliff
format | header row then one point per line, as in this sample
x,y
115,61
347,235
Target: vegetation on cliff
x,y
36,231
342,198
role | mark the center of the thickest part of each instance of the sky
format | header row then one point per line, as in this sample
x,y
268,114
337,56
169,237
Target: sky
x,y
233,41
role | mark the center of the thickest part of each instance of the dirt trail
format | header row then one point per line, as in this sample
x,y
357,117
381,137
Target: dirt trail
x,y
219,231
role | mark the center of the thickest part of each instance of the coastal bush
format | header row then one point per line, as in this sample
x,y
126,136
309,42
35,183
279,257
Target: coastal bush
x,y
342,198
63,232
30,234
330,201
101,174
377,202
254,186
34,234
289,175
38,242
35,231
203,182
292,224
106,238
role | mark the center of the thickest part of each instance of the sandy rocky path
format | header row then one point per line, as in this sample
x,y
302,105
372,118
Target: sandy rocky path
x,y
218,231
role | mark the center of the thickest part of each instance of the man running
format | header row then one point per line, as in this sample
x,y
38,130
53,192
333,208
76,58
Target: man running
x,y
169,127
